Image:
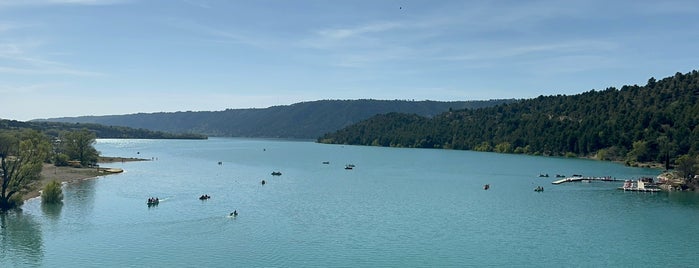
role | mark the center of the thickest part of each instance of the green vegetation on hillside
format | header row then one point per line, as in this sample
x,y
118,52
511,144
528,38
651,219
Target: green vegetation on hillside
x,y
634,124
306,120
54,129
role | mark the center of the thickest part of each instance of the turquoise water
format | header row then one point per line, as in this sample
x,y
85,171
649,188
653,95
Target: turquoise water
x,y
397,208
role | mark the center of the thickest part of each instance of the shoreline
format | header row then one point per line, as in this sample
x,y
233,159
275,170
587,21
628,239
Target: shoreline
x,y
68,174
651,165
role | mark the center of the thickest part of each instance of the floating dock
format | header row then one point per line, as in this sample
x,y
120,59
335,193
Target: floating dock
x,y
639,186
635,189
581,179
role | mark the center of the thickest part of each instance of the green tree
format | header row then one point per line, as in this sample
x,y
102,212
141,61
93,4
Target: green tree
x,y
52,193
79,145
61,160
686,166
484,147
638,152
21,159
653,123
503,147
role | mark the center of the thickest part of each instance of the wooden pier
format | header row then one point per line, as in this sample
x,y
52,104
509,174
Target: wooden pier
x,y
636,189
581,179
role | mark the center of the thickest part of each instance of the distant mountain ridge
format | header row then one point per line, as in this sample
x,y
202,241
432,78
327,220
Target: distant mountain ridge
x,y
304,120
54,129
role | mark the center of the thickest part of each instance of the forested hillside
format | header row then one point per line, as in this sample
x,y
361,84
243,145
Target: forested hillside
x,y
54,129
301,120
634,123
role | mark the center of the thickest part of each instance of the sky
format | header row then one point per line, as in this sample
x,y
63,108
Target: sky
x,y
102,57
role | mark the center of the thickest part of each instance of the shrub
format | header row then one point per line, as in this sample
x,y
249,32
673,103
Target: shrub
x,y
52,193
61,160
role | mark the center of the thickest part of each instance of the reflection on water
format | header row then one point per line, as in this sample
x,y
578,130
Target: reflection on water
x,y
52,211
20,240
684,198
82,197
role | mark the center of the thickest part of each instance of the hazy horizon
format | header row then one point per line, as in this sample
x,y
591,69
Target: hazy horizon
x,y
248,108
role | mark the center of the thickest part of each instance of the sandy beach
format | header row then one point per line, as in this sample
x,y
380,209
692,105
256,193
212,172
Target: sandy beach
x,y
68,174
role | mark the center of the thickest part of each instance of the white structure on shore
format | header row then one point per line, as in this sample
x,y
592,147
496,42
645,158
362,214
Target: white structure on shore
x,y
639,185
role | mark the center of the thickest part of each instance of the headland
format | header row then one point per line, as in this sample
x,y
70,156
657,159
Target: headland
x,y
68,174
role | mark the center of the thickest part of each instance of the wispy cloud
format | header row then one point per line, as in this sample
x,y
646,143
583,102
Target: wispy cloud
x,y
28,89
7,26
437,35
15,3
344,33
361,45
47,70
568,64
198,3
214,34
22,59
86,2
370,34
498,51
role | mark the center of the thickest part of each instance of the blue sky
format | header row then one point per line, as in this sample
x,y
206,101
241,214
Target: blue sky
x,y
99,57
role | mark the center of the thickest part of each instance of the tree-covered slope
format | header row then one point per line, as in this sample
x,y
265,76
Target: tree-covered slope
x,y
54,129
301,120
634,123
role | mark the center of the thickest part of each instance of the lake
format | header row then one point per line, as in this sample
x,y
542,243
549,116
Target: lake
x,y
395,208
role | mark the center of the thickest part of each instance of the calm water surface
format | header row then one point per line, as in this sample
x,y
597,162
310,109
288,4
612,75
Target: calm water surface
x,y
397,208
